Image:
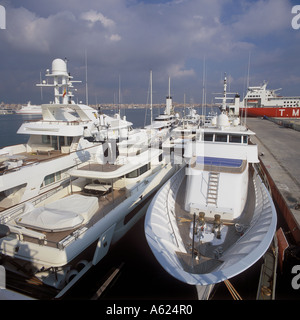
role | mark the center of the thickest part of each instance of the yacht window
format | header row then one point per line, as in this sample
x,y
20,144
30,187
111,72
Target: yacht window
x,y
69,141
61,141
208,136
57,176
133,174
9,192
235,138
46,139
55,142
139,171
49,179
221,137
144,168
54,177
245,139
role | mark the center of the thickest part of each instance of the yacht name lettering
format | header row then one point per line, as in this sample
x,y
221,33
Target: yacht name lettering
x,y
296,113
123,310
296,18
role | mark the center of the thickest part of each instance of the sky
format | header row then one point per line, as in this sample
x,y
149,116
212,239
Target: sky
x,y
194,42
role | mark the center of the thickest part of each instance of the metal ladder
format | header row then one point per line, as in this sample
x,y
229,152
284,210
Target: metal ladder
x,y
212,190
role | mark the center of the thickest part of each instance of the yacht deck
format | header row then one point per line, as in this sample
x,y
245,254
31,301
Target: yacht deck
x,y
92,166
207,259
29,158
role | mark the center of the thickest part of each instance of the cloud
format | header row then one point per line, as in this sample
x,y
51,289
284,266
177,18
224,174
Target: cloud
x,y
93,16
261,18
130,37
114,37
178,71
30,33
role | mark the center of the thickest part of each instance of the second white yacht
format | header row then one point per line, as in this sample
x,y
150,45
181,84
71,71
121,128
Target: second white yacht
x,y
215,217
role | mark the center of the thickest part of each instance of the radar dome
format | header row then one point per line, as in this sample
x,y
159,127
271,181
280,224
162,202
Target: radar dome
x,y
59,67
223,120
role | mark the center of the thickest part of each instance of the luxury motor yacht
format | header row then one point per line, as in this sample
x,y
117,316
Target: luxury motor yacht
x,y
66,135
56,237
160,127
30,109
184,132
215,217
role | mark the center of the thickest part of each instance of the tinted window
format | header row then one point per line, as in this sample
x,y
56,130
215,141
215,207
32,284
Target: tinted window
x,y
208,137
221,138
235,138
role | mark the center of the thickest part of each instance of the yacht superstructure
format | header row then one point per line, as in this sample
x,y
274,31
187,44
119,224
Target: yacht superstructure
x,y
66,135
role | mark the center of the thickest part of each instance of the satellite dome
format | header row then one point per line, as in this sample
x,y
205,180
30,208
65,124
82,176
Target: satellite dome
x,y
59,67
223,120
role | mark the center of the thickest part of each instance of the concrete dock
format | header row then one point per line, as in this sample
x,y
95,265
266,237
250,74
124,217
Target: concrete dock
x,y
279,152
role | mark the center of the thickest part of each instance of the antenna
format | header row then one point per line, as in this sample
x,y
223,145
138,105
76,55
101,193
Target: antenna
x,y
86,80
184,111
248,75
248,84
224,93
41,86
151,95
119,95
203,86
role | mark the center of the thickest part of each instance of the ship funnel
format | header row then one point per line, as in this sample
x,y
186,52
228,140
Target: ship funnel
x,y
169,107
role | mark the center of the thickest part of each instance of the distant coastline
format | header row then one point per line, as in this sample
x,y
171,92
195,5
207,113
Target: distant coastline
x,y
11,108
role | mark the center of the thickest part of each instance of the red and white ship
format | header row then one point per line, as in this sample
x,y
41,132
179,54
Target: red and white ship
x,y
259,102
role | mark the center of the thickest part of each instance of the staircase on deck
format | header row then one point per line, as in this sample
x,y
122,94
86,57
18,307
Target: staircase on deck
x,y
212,190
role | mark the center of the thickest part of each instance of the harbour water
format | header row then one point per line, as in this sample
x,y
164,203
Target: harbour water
x,y
140,276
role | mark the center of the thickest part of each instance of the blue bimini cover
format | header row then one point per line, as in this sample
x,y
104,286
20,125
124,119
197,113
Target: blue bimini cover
x,y
220,162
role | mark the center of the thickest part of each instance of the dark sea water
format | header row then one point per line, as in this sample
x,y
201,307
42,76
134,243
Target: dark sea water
x,y
141,277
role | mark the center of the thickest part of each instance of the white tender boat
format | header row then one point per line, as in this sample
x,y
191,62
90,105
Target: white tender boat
x,y
214,218
30,109
67,134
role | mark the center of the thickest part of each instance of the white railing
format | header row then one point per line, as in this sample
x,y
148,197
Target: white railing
x,y
171,197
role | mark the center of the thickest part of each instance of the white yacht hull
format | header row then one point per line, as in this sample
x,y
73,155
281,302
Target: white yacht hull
x,y
165,241
55,264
